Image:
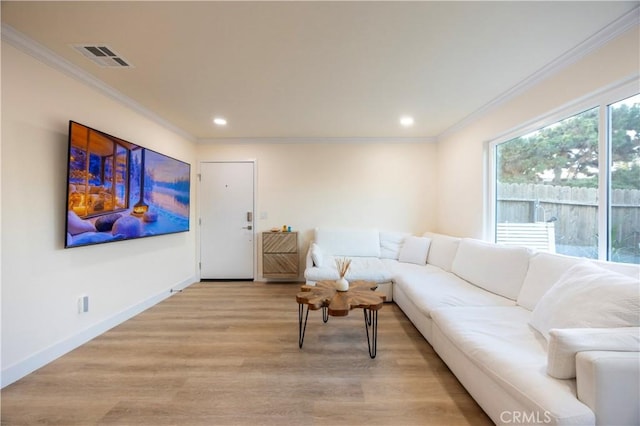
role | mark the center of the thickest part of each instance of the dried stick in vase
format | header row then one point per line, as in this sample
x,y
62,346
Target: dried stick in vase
x,y
342,265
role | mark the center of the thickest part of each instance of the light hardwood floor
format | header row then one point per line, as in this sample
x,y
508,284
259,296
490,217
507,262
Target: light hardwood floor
x,y
226,353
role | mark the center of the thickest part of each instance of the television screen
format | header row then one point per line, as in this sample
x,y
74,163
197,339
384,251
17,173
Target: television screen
x,y
117,190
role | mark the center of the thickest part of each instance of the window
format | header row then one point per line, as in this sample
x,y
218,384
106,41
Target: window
x,y
121,181
97,185
573,186
624,224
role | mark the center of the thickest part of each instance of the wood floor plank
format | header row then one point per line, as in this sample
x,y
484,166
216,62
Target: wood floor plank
x,y
226,353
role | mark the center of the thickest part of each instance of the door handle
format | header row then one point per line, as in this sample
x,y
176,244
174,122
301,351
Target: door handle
x,y
247,227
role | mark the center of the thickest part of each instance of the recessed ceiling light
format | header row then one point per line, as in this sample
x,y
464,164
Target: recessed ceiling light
x,y
220,121
406,121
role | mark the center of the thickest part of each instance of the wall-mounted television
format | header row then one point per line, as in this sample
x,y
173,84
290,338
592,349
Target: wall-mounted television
x,y
118,190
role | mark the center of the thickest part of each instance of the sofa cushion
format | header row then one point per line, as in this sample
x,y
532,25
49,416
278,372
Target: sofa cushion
x,y
317,255
442,250
76,226
499,342
362,268
564,344
430,288
348,242
629,269
587,295
415,250
91,238
391,243
546,268
496,268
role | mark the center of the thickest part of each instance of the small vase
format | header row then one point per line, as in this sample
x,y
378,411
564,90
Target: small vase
x,y
342,284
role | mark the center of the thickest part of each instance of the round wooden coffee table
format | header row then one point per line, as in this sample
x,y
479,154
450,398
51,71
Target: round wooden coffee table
x,y
335,303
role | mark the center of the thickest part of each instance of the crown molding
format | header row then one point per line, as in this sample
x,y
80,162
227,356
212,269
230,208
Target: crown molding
x,y
309,140
48,57
608,94
597,40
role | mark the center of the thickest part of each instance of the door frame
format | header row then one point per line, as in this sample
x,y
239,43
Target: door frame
x,y
254,162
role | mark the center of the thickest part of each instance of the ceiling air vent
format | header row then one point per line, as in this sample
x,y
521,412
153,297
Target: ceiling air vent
x,y
102,55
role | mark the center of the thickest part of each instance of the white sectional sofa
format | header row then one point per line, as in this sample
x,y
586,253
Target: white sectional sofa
x,y
536,338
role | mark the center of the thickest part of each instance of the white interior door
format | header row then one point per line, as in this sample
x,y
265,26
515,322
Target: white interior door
x,y
226,220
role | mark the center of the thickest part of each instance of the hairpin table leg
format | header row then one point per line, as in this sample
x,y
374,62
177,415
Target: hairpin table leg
x,y
302,328
371,326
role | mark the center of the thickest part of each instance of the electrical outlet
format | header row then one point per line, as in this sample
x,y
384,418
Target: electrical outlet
x,y
83,304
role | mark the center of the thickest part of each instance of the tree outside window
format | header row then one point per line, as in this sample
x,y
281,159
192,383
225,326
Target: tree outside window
x,y
549,180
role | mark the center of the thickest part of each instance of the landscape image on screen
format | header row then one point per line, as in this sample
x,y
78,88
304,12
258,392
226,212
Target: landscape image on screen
x,y
117,190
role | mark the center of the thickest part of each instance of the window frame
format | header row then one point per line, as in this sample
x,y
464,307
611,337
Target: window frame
x,y
603,99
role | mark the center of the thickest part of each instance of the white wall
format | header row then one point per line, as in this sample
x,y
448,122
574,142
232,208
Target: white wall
x,y
461,155
388,186
41,281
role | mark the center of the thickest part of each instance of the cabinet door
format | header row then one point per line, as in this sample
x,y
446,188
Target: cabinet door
x,y
279,243
280,264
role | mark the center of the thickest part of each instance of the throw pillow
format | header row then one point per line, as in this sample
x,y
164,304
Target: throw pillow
x,y
127,227
105,223
317,255
587,295
564,344
415,250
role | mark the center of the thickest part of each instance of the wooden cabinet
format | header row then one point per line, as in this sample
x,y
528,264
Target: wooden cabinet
x,y
280,257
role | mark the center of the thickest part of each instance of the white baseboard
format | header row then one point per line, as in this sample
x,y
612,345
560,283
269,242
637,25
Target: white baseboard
x,y
39,359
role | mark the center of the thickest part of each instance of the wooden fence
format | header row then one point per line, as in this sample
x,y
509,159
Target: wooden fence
x,y
574,212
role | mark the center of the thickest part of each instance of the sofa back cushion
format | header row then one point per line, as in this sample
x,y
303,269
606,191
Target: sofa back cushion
x,y
442,250
546,268
391,243
544,271
496,268
348,242
629,269
415,250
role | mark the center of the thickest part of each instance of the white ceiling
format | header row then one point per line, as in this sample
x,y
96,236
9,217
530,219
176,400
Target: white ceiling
x,y
315,69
